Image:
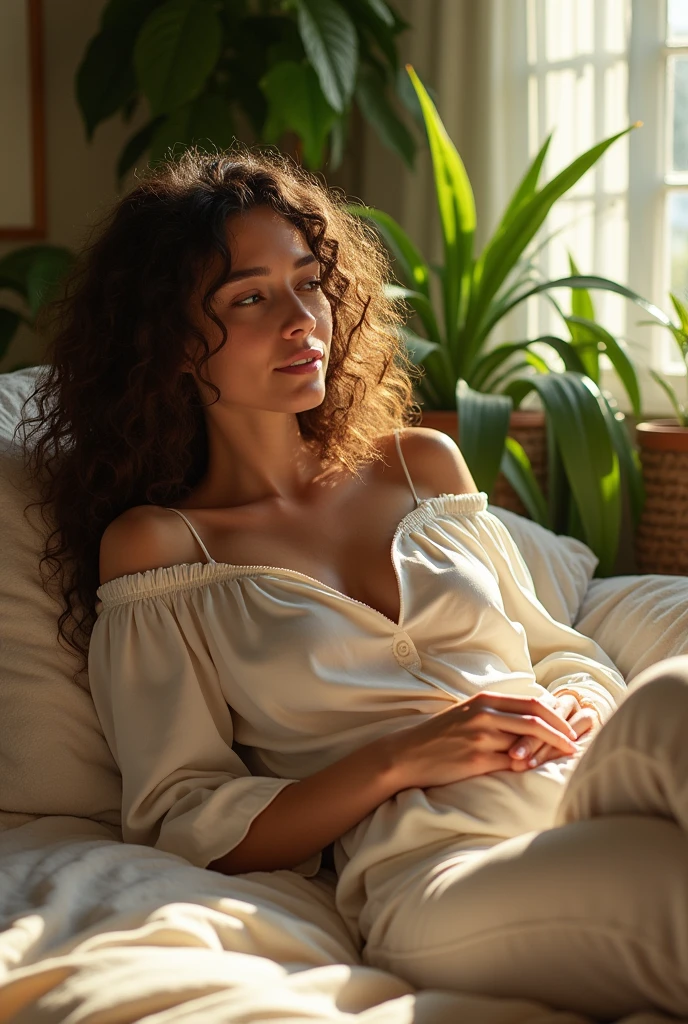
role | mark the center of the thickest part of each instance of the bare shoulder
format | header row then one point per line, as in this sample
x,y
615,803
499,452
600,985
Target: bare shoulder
x,y
435,461
143,537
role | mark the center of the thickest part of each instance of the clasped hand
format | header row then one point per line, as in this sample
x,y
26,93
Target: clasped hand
x,y
484,734
529,752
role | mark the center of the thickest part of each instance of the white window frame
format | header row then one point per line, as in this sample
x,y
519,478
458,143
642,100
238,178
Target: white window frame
x,y
648,189
648,267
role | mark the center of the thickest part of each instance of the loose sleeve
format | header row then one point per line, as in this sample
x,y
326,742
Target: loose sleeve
x,y
159,701
563,659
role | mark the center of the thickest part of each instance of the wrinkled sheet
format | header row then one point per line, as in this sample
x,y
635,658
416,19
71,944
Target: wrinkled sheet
x,y
95,931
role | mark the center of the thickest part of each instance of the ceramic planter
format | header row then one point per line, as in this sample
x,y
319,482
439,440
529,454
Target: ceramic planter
x,y
661,543
527,427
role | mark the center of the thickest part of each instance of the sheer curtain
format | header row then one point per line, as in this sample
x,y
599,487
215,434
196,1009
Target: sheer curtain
x,y
473,55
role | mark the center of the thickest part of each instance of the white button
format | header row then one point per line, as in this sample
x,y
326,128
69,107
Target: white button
x,y
405,651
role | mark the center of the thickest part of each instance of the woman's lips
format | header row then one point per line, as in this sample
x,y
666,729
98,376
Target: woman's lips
x,y
311,367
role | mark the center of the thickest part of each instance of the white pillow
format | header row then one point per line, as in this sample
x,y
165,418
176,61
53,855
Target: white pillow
x,y
561,566
637,620
53,755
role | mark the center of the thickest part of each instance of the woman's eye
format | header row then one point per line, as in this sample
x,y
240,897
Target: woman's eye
x,y
242,302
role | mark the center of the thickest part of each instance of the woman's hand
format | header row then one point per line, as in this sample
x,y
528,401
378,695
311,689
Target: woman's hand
x,y
474,738
528,752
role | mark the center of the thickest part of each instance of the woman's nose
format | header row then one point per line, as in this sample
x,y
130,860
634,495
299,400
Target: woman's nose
x,y
298,316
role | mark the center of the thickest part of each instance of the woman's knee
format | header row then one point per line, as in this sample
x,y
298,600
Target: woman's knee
x,y
657,704
669,676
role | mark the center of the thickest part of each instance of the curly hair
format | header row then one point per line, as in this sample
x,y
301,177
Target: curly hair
x,y
118,425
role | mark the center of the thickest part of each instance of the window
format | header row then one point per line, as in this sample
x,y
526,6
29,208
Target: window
x,y
675,74
594,67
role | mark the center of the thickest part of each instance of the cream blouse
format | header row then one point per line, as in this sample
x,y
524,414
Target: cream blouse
x,y
218,685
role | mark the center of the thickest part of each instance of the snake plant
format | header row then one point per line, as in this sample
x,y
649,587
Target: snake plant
x,y
590,453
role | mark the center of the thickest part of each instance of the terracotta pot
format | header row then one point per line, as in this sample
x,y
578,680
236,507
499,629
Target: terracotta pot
x,y
527,427
661,541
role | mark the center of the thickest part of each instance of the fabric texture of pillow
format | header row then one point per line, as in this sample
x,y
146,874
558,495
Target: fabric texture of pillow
x,y
562,567
53,756
637,620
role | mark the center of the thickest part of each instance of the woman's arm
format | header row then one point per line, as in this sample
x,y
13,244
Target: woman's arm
x,y
313,812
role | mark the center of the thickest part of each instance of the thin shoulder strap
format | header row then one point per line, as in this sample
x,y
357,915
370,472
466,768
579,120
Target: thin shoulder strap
x,y
205,550
403,463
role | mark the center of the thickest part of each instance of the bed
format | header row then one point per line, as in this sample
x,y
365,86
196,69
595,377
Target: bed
x,y
97,931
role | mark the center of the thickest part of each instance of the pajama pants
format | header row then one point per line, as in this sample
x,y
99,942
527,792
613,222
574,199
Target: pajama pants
x,y
589,916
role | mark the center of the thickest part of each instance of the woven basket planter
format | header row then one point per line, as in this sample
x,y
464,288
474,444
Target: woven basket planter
x,y
525,426
661,541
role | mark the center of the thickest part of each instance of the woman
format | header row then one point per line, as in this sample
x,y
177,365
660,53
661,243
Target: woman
x,y
286,653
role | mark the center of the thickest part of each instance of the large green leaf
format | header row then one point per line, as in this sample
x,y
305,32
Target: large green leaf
x,y
456,206
670,392
46,276
176,49
105,79
629,459
580,281
372,98
573,406
492,360
504,248
681,311
382,11
585,341
331,44
526,187
421,304
413,266
35,272
204,120
483,427
377,29
620,361
9,322
518,471
296,103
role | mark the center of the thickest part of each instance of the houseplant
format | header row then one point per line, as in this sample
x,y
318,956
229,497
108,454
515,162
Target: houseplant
x,y
589,452
216,69
32,275
661,542
209,71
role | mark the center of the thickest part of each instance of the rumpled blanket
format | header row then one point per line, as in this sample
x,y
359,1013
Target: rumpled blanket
x,y
96,931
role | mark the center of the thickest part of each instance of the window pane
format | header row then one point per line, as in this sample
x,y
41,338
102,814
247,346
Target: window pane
x,y
678,243
677,21
677,85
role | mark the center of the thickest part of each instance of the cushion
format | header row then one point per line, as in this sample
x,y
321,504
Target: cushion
x,y
561,567
637,620
53,756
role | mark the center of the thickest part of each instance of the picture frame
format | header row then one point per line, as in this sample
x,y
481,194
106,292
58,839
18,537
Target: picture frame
x,y
22,121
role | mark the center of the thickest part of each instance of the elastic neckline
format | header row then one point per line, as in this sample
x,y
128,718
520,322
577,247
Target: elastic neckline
x,y
186,575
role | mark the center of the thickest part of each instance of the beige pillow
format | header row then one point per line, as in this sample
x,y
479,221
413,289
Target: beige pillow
x,y
637,620
53,756
561,566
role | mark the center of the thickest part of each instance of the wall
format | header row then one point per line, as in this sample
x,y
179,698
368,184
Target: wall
x,y
80,175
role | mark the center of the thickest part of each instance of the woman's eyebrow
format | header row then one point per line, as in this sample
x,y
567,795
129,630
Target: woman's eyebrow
x,y
238,275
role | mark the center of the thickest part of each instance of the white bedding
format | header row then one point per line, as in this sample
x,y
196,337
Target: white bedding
x,y
95,931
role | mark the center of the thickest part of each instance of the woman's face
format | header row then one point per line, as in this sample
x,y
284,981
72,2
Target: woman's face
x,y
273,309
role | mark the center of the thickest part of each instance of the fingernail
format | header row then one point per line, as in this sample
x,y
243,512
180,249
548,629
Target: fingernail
x,y
520,751
532,762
